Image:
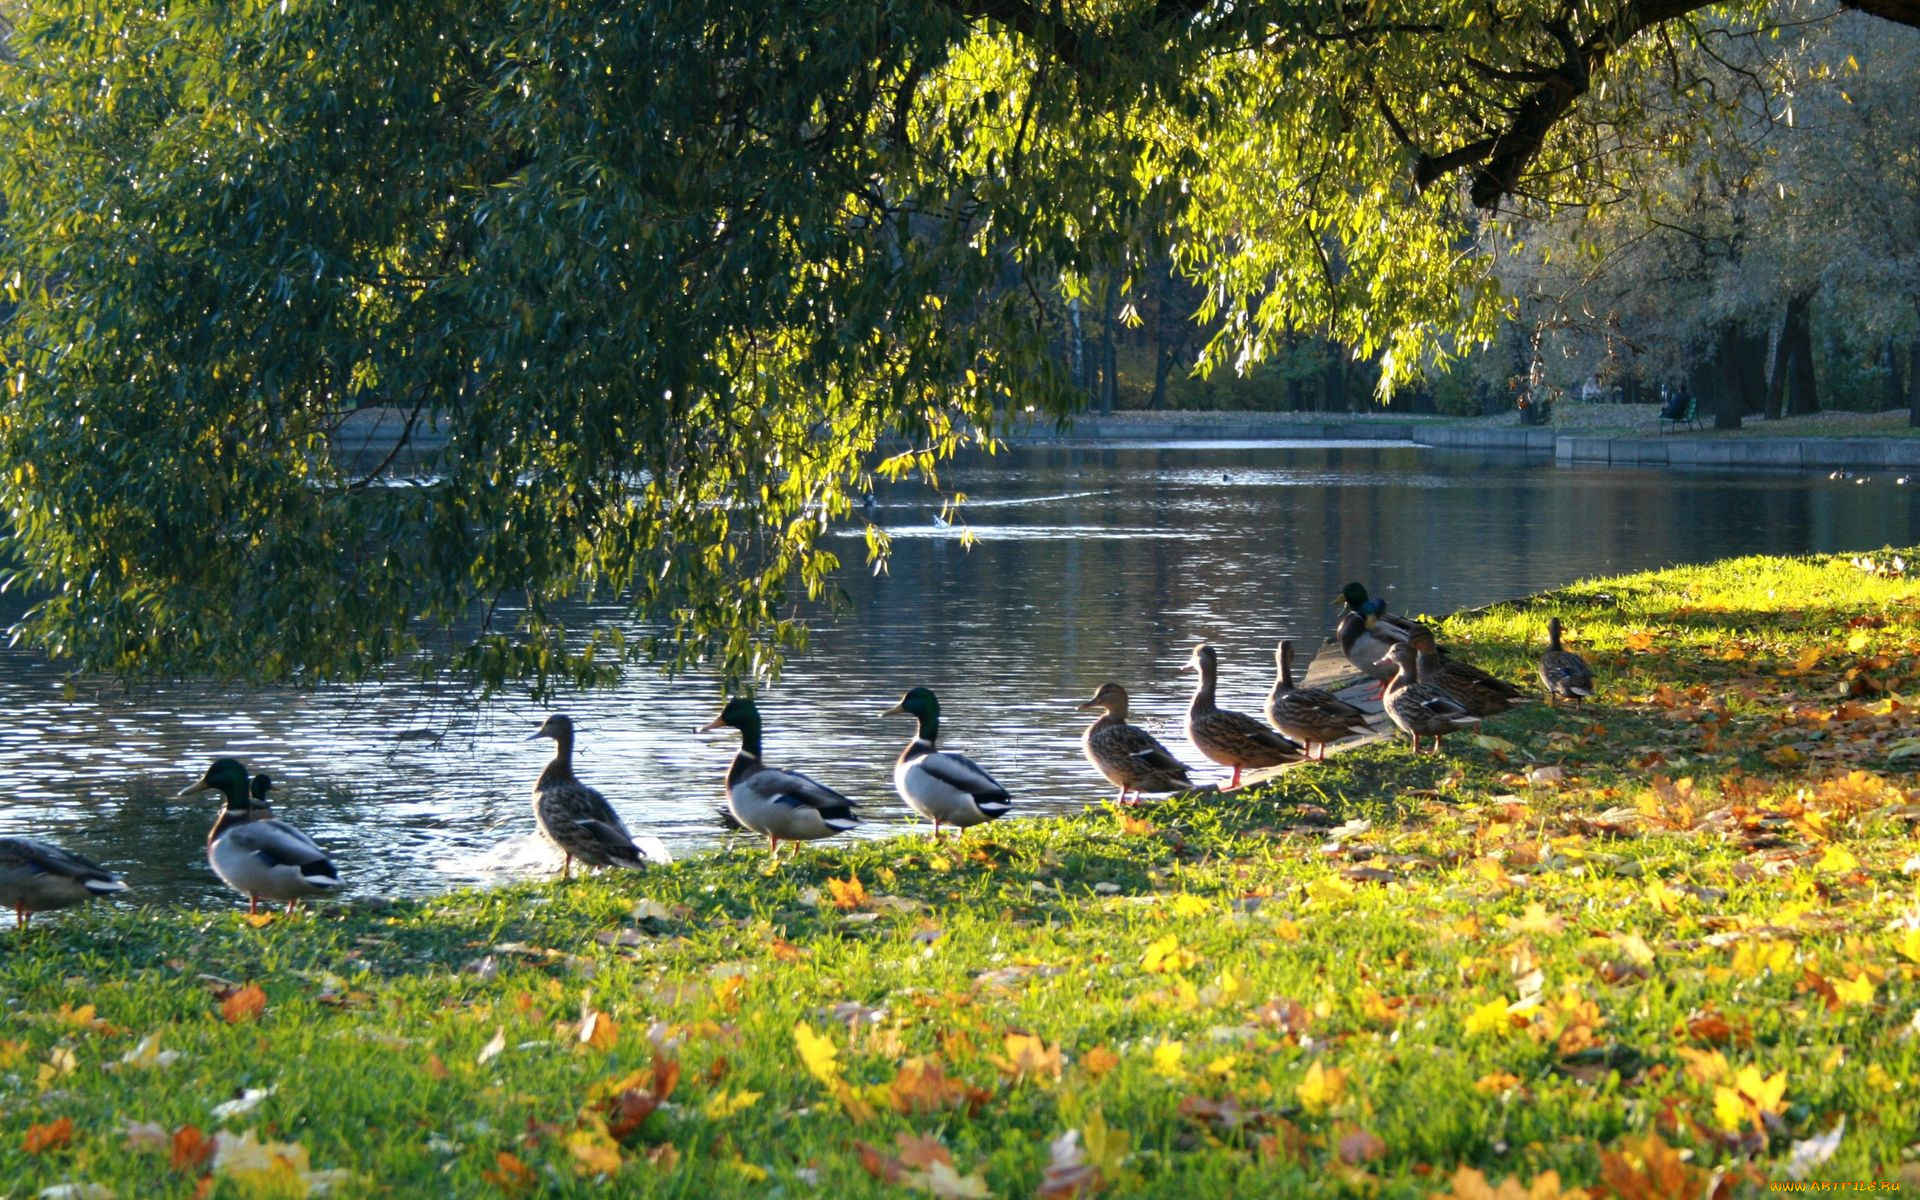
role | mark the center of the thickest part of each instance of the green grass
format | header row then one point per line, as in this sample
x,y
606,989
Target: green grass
x,y
1594,928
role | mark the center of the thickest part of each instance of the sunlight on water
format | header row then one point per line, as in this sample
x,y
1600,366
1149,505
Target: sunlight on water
x,y
1090,564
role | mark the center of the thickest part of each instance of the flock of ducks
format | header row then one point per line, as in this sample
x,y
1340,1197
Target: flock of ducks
x,y
1424,691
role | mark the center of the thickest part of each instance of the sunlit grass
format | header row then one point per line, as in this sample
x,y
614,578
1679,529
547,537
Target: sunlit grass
x,y
1524,956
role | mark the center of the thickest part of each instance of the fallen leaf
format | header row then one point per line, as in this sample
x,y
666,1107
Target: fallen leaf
x,y
275,1168
51,1136
243,1004
248,1100
190,1150
142,1137
493,1048
944,1183
594,1152
1815,1151
848,893
509,1174
1322,1087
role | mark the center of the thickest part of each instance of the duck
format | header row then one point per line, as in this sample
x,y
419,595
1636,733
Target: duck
x,y
1232,739
1384,625
1563,673
1422,708
1484,694
1132,759
256,854
575,817
258,788
778,805
944,787
1367,631
1309,715
37,876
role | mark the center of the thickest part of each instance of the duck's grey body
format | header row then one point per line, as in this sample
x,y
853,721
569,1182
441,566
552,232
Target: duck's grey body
x,y
37,876
255,853
1308,714
575,817
778,805
1563,673
944,787
1422,708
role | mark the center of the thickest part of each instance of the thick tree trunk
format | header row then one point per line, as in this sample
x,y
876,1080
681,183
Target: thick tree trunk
x,y
1336,377
1802,396
1896,396
1108,361
1913,383
1163,359
1777,376
1296,386
1721,380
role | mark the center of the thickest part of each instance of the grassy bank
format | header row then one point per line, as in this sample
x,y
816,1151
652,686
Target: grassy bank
x,y
1667,940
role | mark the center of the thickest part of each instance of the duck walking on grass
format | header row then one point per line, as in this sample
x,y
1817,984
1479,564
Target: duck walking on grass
x,y
778,805
255,854
944,787
1132,759
1422,708
1232,739
37,876
1563,673
1312,716
1484,695
575,817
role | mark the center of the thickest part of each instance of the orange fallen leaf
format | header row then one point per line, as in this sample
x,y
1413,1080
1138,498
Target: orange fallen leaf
x,y
848,893
1098,1061
512,1175
191,1150
51,1136
1649,1169
243,1004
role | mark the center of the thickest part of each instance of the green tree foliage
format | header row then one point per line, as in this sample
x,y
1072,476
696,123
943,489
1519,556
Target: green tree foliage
x,y
675,279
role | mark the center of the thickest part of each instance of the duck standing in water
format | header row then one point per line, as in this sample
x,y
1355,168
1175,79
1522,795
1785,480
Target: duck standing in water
x,y
1309,715
575,817
1563,673
255,854
1132,759
778,805
1422,708
944,787
1232,739
37,876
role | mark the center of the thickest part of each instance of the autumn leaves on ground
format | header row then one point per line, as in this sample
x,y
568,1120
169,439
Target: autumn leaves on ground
x,y
1666,946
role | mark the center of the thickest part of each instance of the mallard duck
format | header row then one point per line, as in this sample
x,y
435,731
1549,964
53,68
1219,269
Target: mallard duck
x,y
575,817
37,876
1232,739
1132,759
1562,672
1422,708
1385,625
940,785
258,789
1484,695
1363,648
778,805
252,851
1309,715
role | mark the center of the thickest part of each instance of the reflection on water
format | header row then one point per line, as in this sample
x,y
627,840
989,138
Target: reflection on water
x,y
1089,564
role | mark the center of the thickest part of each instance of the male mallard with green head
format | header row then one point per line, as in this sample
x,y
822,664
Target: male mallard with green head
x,y
1485,695
1563,673
1422,708
575,817
37,876
1309,715
255,854
1367,631
778,805
1232,739
944,787
1132,759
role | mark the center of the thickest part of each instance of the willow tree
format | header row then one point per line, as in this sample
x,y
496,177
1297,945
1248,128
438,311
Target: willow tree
x,y
675,280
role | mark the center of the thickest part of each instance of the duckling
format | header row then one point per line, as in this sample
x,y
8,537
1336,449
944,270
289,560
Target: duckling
x,y
773,803
1131,758
1232,739
1422,708
255,854
1309,715
1484,695
575,817
37,876
1562,672
940,785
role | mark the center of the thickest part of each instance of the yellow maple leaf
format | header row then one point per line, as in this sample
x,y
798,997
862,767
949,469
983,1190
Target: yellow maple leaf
x,y
1858,990
594,1152
1767,1092
1730,1109
1491,1017
818,1053
1860,640
1837,860
1321,1088
724,1104
1165,956
1029,1057
848,893
1188,905
1908,945
1751,958
1534,920
1166,1060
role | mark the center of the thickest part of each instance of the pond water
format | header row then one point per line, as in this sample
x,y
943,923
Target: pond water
x,y
1090,564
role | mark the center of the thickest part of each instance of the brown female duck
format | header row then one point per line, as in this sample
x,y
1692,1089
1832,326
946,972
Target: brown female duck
x,y
1132,759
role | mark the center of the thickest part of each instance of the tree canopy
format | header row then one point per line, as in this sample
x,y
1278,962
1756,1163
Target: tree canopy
x,y
678,279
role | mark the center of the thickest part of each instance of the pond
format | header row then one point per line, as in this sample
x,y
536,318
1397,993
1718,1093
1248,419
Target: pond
x,y
1090,564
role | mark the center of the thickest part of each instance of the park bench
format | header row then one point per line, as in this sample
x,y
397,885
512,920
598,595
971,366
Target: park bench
x,y
1690,416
